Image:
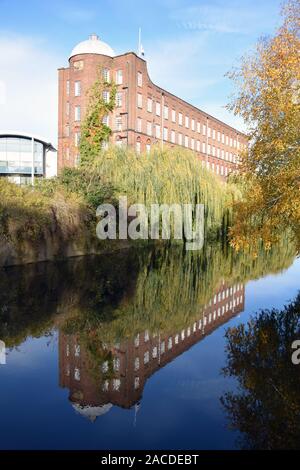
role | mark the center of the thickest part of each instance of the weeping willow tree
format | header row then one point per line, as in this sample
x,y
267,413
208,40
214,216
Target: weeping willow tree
x,y
167,176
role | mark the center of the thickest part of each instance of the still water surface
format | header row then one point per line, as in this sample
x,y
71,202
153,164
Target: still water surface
x,y
126,351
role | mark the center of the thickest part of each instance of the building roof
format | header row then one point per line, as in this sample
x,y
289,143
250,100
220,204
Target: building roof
x,y
26,135
93,45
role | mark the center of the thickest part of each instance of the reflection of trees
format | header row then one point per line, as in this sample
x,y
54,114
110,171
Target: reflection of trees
x,y
113,297
266,408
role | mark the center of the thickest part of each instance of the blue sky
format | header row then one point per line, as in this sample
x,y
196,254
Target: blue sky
x,y
189,46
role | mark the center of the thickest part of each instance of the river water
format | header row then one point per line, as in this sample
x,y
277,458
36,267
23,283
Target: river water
x,y
126,351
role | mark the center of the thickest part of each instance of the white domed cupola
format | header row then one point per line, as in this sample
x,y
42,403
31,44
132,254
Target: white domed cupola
x,y
93,45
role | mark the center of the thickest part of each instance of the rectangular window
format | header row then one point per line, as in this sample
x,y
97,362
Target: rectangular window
x,y
105,95
203,147
77,88
186,141
76,138
180,119
119,77
165,133
226,140
166,112
173,137
68,108
148,148
230,141
157,131
208,149
180,138
193,124
157,109
198,146
77,112
192,144
204,129
214,134
198,127
149,128
173,115
208,132
119,123
105,75
149,105
139,79
219,136
105,120
119,99
213,151
223,138
140,100
187,122
139,125
138,147
68,87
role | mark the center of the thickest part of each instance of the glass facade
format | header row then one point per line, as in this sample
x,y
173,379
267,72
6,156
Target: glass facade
x,y
16,156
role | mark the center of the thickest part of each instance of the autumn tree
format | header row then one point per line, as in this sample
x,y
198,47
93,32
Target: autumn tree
x,y
268,99
94,130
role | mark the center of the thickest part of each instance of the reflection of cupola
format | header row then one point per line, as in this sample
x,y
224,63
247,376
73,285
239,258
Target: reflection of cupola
x,y
92,412
92,45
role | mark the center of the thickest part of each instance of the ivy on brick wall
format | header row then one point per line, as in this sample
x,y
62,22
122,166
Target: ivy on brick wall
x,y
94,131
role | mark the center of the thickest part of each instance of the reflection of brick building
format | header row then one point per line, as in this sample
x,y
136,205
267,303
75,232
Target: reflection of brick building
x,y
145,114
133,362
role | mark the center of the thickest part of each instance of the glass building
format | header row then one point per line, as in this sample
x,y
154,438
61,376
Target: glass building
x,y
23,157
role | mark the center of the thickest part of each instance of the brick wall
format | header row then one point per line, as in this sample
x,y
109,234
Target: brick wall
x,y
214,142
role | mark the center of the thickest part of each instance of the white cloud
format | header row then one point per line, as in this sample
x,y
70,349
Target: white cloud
x,y
186,67
28,72
226,17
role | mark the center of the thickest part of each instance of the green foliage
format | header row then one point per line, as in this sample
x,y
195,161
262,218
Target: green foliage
x,y
30,214
93,131
23,212
88,184
169,176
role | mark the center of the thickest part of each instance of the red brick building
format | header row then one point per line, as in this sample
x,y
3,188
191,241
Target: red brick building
x,y
122,379
144,115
